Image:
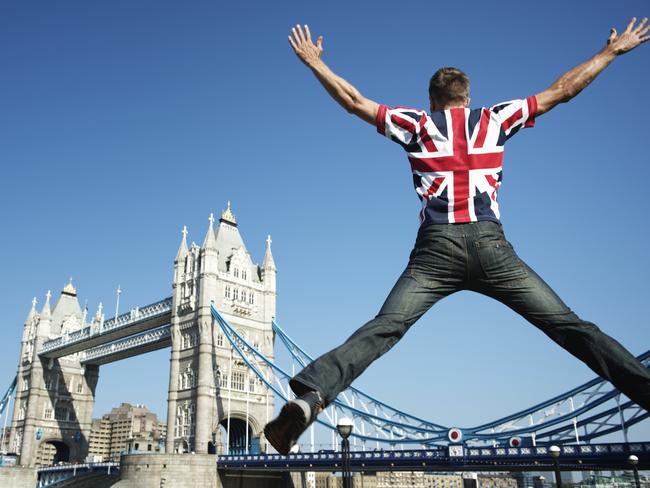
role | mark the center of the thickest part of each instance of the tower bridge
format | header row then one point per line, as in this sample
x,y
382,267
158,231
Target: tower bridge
x,y
62,351
219,326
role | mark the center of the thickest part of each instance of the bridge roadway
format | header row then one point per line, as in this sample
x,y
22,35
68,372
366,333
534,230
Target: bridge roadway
x,y
140,330
585,457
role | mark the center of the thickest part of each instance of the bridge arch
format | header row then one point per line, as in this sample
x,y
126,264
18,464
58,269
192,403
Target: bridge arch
x,y
238,431
52,451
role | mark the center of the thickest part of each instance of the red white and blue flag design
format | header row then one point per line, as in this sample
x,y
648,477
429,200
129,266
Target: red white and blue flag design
x,y
456,155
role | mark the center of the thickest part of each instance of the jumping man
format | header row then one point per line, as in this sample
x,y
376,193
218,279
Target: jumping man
x,y
456,156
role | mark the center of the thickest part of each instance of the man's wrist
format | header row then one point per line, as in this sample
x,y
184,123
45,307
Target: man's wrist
x,y
316,65
609,52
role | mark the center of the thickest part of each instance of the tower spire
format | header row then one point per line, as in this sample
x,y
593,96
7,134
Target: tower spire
x,y
209,241
46,308
32,311
182,249
269,262
69,289
228,217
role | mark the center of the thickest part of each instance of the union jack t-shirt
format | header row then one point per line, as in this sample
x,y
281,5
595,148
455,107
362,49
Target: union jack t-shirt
x,y
456,155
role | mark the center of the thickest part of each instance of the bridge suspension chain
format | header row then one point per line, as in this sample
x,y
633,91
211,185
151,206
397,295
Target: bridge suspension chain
x,y
5,398
586,407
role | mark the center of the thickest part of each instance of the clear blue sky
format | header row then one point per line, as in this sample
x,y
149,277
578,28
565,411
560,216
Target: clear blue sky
x,y
122,121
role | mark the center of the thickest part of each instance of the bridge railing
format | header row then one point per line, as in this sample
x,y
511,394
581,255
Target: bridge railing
x,y
128,343
136,315
574,457
56,474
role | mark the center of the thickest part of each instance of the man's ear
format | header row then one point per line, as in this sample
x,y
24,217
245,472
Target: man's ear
x,y
467,101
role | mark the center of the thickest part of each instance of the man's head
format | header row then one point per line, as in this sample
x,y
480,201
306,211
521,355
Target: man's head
x,y
448,87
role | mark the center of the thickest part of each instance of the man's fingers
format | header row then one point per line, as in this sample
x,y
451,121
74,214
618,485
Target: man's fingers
x,y
319,42
645,39
630,25
301,34
641,25
296,38
644,31
308,33
293,44
612,36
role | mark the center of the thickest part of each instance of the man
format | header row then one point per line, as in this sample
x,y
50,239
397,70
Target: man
x,y
456,157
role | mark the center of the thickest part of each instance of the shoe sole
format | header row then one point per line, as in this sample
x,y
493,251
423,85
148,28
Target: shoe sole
x,y
284,431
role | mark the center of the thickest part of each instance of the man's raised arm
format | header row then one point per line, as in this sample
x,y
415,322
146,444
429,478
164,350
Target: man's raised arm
x,y
343,92
575,80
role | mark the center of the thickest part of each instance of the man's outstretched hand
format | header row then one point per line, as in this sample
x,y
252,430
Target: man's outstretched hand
x,y
308,52
631,37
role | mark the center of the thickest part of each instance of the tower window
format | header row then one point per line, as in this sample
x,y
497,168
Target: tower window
x,y
238,380
227,293
236,272
243,274
61,413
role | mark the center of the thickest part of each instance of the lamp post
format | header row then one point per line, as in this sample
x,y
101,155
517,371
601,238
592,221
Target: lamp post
x,y
344,427
633,460
555,454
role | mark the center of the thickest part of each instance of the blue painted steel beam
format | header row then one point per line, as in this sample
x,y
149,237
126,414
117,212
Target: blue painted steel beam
x,y
574,458
7,395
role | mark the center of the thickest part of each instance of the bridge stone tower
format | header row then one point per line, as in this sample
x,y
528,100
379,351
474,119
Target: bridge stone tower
x,y
210,390
54,398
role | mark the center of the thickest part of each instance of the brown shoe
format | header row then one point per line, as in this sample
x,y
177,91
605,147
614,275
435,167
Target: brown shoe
x,y
283,432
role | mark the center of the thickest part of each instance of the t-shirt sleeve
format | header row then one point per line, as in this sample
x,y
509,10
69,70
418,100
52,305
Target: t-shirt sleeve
x,y
515,114
400,124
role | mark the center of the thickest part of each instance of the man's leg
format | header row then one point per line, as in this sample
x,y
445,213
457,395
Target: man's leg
x,y
508,279
333,372
432,273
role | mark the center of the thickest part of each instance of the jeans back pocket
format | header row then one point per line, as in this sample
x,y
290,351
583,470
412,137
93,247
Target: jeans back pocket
x,y
499,261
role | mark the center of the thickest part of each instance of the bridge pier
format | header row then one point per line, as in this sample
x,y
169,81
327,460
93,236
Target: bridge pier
x,y
17,477
190,471
168,471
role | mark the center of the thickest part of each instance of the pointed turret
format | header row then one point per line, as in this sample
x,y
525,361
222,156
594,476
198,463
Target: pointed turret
x,y
29,321
269,271
210,242
182,249
269,263
46,313
99,314
43,328
32,311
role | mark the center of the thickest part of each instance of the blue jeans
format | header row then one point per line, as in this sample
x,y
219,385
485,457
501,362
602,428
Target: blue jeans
x,y
477,257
